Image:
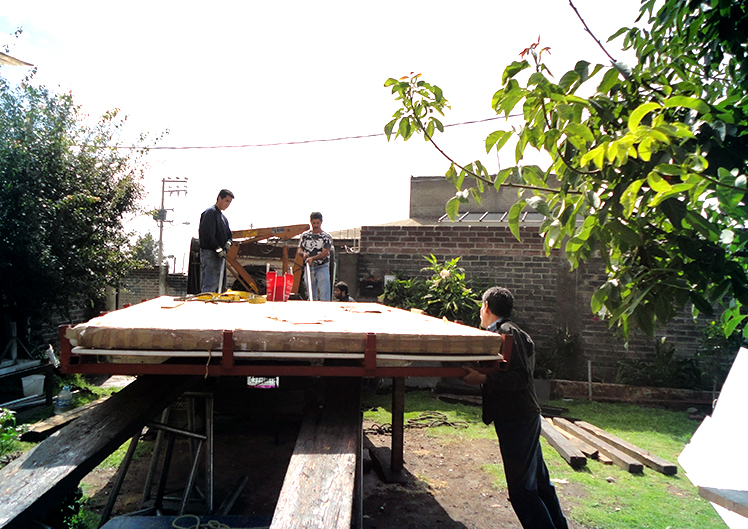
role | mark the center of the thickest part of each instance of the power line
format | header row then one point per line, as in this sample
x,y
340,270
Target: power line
x,y
302,142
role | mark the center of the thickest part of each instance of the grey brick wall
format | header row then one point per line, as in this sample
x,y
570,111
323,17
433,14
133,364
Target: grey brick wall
x,y
548,295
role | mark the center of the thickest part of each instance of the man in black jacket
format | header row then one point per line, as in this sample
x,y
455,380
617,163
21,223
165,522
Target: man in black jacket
x,y
215,241
509,401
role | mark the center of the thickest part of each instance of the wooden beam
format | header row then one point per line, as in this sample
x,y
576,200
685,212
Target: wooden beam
x,y
41,477
318,490
569,452
588,450
732,500
652,461
621,459
239,272
280,232
43,429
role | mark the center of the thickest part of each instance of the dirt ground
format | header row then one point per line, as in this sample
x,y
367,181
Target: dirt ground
x,y
445,487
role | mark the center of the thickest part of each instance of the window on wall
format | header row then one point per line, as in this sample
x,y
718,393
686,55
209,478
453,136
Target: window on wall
x,y
492,217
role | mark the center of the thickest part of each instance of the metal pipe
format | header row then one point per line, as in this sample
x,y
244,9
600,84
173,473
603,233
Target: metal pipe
x,y
190,480
309,281
177,431
117,485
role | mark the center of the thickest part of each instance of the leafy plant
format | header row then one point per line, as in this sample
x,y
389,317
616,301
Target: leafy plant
x,y
10,434
443,294
563,360
717,352
405,293
665,369
447,293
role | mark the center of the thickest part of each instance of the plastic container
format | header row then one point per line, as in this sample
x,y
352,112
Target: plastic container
x,y
270,276
32,385
278,287
63,400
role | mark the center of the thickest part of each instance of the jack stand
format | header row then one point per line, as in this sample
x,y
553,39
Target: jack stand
x,y
199,443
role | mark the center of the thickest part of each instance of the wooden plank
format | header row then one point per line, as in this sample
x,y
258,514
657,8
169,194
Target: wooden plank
x,y
43,429
587,449
318,490
732,500
652,461
621,459
41,477
168,324
571,454
279,232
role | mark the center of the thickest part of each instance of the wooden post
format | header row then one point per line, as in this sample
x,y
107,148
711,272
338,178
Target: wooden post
x,y
398,423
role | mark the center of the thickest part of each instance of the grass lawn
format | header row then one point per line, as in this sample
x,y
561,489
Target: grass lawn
x,y
604,496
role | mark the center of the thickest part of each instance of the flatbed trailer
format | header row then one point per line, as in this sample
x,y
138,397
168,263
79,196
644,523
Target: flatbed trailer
x,y
191,340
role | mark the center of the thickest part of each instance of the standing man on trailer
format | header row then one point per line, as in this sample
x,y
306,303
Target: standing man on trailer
x,y
215,241
315,246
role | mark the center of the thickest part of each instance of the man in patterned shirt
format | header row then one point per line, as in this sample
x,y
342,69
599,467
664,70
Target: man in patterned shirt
x,y
315,246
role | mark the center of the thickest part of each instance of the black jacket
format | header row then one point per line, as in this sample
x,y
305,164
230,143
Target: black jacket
x,y
214,229
511,393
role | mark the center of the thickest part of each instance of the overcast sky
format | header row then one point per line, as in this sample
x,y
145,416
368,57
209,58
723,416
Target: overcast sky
x,y
256,73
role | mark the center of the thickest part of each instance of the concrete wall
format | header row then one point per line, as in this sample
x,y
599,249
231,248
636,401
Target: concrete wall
x,y
429,194
548,296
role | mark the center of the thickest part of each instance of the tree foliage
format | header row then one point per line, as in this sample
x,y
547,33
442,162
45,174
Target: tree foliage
x,y
145,249
64,190
649,171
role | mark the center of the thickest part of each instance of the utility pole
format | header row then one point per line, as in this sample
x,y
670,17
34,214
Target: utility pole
x,y
181,186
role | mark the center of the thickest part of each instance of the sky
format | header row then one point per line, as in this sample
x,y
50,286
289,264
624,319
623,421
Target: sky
x,y
294,73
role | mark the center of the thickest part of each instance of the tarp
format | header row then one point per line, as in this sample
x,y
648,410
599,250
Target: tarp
x,y
716,457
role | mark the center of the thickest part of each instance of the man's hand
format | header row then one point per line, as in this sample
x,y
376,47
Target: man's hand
x,y
473,377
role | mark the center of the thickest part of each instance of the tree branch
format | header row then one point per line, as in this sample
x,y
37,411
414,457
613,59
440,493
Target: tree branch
x,y
588,30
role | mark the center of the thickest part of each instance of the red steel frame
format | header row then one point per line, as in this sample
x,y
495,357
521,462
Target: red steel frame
x,y
227,366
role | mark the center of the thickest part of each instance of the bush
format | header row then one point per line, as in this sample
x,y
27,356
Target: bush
x,y
717,352
664,370
443,294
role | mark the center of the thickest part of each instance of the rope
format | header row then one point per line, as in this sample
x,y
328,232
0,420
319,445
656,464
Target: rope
x,y
426,419
211,524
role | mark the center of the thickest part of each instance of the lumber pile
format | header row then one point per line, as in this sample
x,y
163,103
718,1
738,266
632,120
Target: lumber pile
x,y
573,439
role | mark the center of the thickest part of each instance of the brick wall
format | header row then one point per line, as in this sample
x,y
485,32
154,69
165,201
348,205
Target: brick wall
x,y
548,296
143,284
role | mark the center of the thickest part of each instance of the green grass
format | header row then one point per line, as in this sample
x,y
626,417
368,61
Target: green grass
x,y
600,496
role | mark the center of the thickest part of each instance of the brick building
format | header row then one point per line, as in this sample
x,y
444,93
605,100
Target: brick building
x,y
549,297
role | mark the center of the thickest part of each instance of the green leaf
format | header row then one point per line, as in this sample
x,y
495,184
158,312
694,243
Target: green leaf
x,y
513,69
568,79
579,130
598,298
610,79
514,214
657,183
638,114
629,197
645,149
453,207
625,234
702,304
404,128
498,139
688,102
388,128
673,191
538,204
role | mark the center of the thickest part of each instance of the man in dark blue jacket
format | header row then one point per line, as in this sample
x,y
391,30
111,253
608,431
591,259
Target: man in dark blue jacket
x,y
215,241
509,401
